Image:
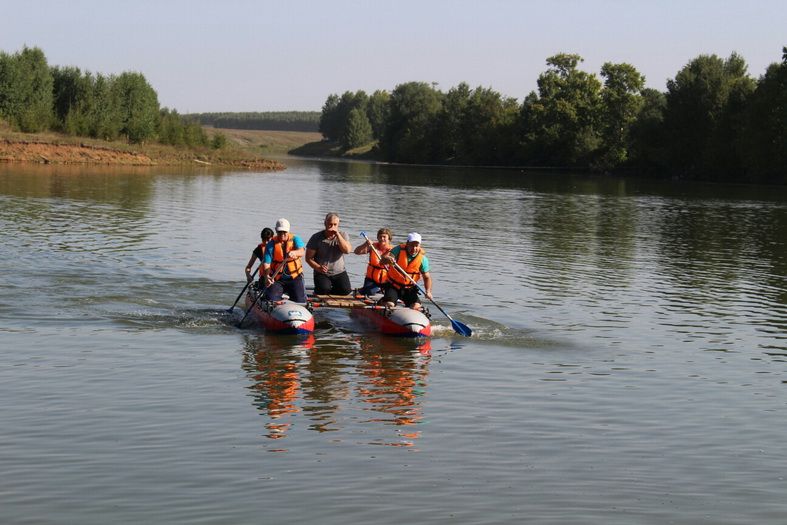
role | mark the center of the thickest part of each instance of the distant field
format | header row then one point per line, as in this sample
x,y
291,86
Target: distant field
x,y
266,142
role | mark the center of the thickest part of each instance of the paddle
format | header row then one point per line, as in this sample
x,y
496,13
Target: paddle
x,y
459,328
244,289
262,292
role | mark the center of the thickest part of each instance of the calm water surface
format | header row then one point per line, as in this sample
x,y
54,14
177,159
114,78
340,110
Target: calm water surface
x,y
628,363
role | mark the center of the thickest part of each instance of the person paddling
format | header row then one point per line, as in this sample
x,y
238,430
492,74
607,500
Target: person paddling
x,y
265,235
412,259
376,272
284,249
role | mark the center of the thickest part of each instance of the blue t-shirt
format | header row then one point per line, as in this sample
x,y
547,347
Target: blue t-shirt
x,y
395,254
297,244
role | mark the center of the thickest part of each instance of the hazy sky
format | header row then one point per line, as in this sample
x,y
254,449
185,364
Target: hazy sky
x,y
244,55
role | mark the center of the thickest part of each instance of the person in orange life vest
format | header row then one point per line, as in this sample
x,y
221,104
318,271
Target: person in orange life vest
x,y
412,259
325,254
266,234
376,273
284,249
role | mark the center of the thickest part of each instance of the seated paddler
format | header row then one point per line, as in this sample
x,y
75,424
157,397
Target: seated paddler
x,y
376,271
282,267
265,235
411,265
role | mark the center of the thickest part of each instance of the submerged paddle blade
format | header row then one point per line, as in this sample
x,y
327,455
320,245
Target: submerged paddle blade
x,y
461,328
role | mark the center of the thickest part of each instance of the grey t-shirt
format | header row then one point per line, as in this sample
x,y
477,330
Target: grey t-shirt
x,y
328,251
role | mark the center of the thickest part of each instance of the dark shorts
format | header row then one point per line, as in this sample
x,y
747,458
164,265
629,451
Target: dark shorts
x,y
408,295
338,284
292,287
370,287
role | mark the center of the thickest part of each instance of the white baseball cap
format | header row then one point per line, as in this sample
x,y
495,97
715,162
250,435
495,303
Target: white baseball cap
x,y
282,225
413,237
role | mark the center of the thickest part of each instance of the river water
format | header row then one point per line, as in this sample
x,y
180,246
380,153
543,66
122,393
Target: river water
x,y
628,362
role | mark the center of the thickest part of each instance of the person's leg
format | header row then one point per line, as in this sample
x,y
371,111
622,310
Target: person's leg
x,y
297,290
341,284
274,292
389,297
322,284
369,287
410,298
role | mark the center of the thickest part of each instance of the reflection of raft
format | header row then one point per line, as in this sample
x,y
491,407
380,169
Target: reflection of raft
x,y
398,321
284,317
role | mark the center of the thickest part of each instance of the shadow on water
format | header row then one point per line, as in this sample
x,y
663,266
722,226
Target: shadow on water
x,y
540,180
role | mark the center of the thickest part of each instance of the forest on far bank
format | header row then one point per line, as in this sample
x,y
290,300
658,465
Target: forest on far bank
x,y
267,120
714,122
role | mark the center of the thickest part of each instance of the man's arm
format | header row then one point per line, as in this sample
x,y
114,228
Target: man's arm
x,y
344,242
427,284
319,268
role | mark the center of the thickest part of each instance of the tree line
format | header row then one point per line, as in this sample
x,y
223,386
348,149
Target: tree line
x,y
37,97
714,122
268,120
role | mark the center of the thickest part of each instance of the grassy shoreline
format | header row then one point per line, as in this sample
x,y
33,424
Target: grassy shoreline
x,y
57,148
252,149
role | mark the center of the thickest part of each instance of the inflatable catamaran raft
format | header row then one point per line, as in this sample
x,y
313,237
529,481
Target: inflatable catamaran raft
x,y
283,317
287,317
397,321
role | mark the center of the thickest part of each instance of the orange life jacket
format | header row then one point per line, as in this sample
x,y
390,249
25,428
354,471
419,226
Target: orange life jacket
x,y
375,270
294,268
413,268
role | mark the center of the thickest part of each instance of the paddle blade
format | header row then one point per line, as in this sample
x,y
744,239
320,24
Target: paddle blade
x,y
461,328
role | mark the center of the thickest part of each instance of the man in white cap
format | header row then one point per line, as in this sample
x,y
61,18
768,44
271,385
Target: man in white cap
x,y
325,254
284,249
412,259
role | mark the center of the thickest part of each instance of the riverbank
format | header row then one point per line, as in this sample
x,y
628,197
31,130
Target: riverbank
x,y
55,148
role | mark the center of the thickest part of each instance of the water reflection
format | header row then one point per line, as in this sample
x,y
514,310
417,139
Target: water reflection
x,y
393,378
274,370
339,385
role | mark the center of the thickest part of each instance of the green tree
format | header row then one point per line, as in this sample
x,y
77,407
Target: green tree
x,y
765,147
559,126
329,118
26,89
646,134
74,100
377,111
697,105
336,111
449,131
139,106
414,111
620,103
106,117
358,130
194,135
171,128
486,127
